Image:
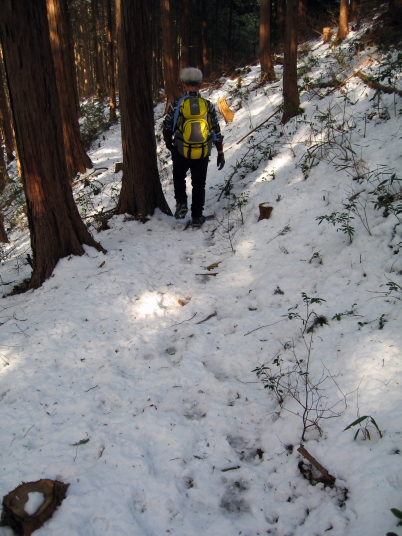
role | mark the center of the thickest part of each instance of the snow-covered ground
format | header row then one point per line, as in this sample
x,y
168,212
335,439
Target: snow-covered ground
x,y
130,375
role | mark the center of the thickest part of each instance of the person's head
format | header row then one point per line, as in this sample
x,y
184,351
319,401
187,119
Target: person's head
x,y
191,78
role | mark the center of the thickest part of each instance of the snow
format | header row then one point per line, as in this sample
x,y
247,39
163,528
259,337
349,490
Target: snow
x,y
35,501
150,409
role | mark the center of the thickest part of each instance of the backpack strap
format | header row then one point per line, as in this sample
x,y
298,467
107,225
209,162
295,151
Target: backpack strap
x,y
177,111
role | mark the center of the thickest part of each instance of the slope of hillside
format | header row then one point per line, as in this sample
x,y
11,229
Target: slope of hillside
x,y
133,376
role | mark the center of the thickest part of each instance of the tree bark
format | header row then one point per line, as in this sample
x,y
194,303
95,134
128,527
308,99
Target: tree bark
x,y
204,38
3,170
99,79
77,159
395,9
185,35
267,68
291,100
302,20
141,191
55,225
5,115
281,19
171,88
343,29
86,54
112,82
354,10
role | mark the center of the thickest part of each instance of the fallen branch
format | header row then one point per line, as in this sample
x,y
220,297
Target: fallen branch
x,y
260,125
208,317
178,324
216,273
266,326
328,479
230,469
375,85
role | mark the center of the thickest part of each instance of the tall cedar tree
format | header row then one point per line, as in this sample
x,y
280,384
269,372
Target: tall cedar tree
x,y
170,68
206,68
395,8
343,28
112,82
267,68
291,101
100,84
56,227
281,19
77,159
141,190
5,115
354,10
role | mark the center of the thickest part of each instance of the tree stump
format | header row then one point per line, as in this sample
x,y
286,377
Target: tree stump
x,y
224,109
14,514
327,34
118,167
265,211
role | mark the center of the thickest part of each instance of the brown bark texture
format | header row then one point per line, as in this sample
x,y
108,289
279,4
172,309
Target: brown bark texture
x,y
354,10
3,234
204,38
3,169
343,28
185,37
5,115
141,190
171,87
100,87
77,159
291,100
281,19
267,68
112,80
55,225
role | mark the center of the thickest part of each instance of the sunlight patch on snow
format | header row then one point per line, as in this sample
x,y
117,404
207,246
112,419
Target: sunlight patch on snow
x,y
155,304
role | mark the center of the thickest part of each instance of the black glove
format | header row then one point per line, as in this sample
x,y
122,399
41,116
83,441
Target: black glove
x,y
221,161
169,145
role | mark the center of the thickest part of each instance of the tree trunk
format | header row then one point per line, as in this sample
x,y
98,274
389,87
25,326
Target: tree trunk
x,y
230,33
86,53
141,190
77,159
291,101
112,83
3,169
302,20
267,68
354,10
204,37
281,19
343,29
185,37
171,88
54,222
5,115
100,82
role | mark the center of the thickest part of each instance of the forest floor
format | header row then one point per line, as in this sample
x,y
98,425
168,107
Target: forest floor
x,y
132,375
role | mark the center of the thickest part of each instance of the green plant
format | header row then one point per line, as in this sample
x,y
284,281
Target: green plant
x,y
94,122
309,314
278,290
238,204
342,219
398,514
364,424
316,255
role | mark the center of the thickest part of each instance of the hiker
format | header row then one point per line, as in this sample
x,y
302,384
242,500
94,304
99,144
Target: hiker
x,y
189,129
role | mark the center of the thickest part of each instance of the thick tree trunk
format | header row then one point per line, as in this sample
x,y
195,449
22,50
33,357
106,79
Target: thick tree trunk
x,y
185,37
5,115
86,52
267,68
171,88
3,169
141,190
343,29
291,101
77,159
54,222
112,82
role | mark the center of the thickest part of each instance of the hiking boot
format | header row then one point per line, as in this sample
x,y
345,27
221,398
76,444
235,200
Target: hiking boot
x,y
181,211
197,222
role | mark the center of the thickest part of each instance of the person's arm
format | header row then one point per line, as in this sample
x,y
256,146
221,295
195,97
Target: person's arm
x,y
167,126
218,136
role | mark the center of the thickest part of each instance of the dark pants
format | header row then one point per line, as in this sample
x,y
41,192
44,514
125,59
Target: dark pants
x,y
198,170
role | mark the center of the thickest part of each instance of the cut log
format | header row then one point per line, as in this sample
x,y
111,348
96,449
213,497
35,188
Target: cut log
x,y
327,34
118,167
265,211
227,113
14,514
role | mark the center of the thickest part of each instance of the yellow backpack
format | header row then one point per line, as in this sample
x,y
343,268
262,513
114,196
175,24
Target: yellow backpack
x,y
193,128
